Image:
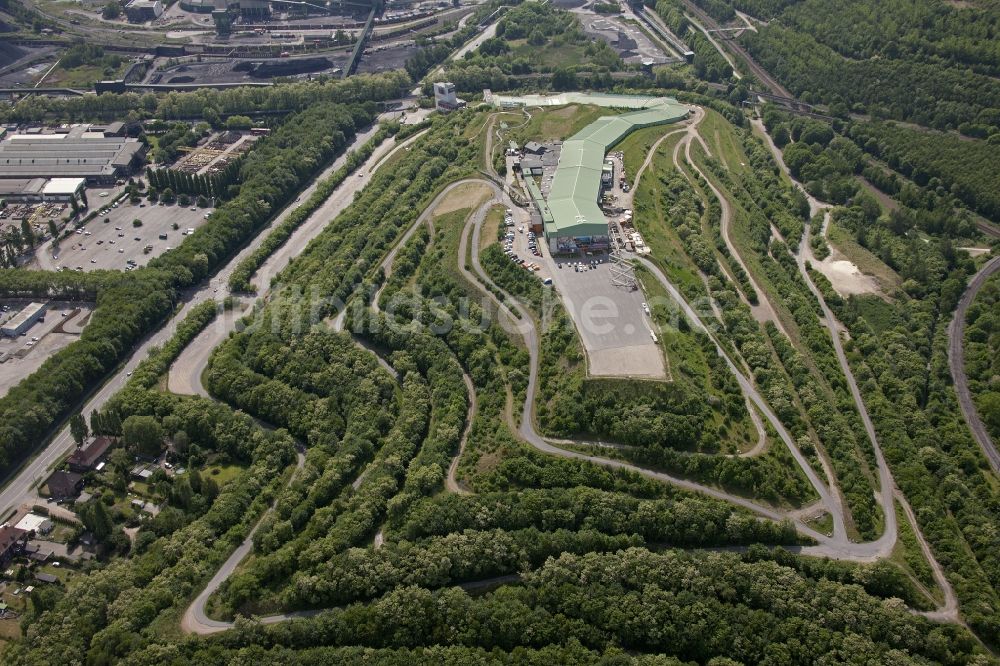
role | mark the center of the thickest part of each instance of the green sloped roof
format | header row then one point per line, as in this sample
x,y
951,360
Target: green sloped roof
x,y
576,217
577,181
536,194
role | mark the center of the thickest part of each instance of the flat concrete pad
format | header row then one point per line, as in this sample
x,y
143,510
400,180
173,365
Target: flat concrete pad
x,y
615,331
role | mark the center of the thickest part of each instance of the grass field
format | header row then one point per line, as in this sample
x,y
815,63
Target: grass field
x,y
822,524
908,557
222,474
443,249
60,572
653,222
685,360
549,124
466,196
491,225
637,145
723,142
550,56
83,76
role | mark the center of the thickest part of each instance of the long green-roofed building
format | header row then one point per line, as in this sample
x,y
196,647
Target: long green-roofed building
x,y
575,220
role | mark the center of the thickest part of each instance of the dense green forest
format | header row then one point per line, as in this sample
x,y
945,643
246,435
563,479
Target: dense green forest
x,y
129,306
982,354
533,39
393,503
708,62
918,60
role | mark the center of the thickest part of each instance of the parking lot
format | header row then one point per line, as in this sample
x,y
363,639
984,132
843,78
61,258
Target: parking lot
x,y
521,245
25,354
611,320
112,244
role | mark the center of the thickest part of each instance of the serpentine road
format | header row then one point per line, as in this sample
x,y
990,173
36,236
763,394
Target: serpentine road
x,y
185,374
195,620
956,361
836,547
523,324
20,488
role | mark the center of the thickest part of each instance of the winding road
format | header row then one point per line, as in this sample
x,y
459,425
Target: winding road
x,y
450,483
883,546
523,324
956,361
20,488
837,546
195,620
185,374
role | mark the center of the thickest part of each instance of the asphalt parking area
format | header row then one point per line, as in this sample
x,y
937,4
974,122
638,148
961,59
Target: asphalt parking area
x,y
613,326
111,245
519,241
25,354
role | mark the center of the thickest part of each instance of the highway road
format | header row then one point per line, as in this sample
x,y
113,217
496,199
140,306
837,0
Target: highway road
x,y
468,47
956,361
21,487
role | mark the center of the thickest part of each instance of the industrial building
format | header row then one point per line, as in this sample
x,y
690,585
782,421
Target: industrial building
x,y
23,320
140,11
76,153
22,190
537,158
572,217
38,190
445,98
64,189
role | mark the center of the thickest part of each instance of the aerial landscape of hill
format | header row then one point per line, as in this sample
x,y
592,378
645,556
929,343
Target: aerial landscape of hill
x,y
499,332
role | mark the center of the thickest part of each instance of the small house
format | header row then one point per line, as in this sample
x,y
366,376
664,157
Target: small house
x,y
35,524
12,542
64,485
86,458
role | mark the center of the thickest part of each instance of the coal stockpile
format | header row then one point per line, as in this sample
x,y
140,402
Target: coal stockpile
x,y
10,54
287,67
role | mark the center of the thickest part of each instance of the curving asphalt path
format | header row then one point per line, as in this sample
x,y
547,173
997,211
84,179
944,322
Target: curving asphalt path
x,y
764,310
956,361
522,323
185,374
885,543
836,547
883,546
20,487
195,620
450,483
